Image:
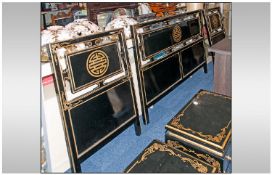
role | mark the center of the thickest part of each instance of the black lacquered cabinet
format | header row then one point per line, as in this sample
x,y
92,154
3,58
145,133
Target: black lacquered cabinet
x,y
204,125
167,51
214,24
95,92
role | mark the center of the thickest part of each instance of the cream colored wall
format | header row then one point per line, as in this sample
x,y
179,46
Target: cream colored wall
x,y
194,6
227,17
57,151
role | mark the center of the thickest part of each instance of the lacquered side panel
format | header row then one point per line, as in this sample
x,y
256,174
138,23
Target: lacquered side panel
x,y
98,117
192,57
161,76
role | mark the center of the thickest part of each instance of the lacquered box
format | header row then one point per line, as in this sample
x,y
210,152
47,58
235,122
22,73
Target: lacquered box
x,y
159,157
204,125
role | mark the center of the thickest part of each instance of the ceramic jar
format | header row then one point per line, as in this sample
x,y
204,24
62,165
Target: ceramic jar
x,y
82,27
122,22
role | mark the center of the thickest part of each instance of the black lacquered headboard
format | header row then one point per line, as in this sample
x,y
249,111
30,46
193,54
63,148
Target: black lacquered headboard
x,y
93,82
214,24
167,51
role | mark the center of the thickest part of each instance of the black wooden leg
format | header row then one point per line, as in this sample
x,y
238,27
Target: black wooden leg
x,y
77,168
213,59
137,126
165,138
205,68
145,115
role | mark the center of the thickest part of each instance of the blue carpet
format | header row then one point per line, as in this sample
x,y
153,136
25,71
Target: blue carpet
x,y
115,156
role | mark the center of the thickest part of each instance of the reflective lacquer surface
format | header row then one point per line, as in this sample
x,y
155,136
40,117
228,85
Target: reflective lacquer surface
x,y
192,57
161,76
98,117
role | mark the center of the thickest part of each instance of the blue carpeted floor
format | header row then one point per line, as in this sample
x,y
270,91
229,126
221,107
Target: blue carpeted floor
x,y
117,154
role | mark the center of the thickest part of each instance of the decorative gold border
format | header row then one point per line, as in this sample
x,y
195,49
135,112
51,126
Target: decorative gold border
x,y
164,148
209,159
209,139
218,138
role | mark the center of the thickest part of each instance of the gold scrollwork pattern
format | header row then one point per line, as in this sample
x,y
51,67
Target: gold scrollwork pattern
x,y
164,148
206,157
217,138
201,93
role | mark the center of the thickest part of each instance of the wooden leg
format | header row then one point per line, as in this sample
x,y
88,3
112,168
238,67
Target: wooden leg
x,y
145,115
165,139
213,59
77,168
137,126
205,68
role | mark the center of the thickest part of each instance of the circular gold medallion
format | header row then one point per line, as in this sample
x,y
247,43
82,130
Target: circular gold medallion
x,y
97,63
177,33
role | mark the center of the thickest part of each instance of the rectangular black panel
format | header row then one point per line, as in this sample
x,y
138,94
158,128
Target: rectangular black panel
x,y
157,41
161,76
98,117
192,57
92,65
162,39
217,38
194,27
